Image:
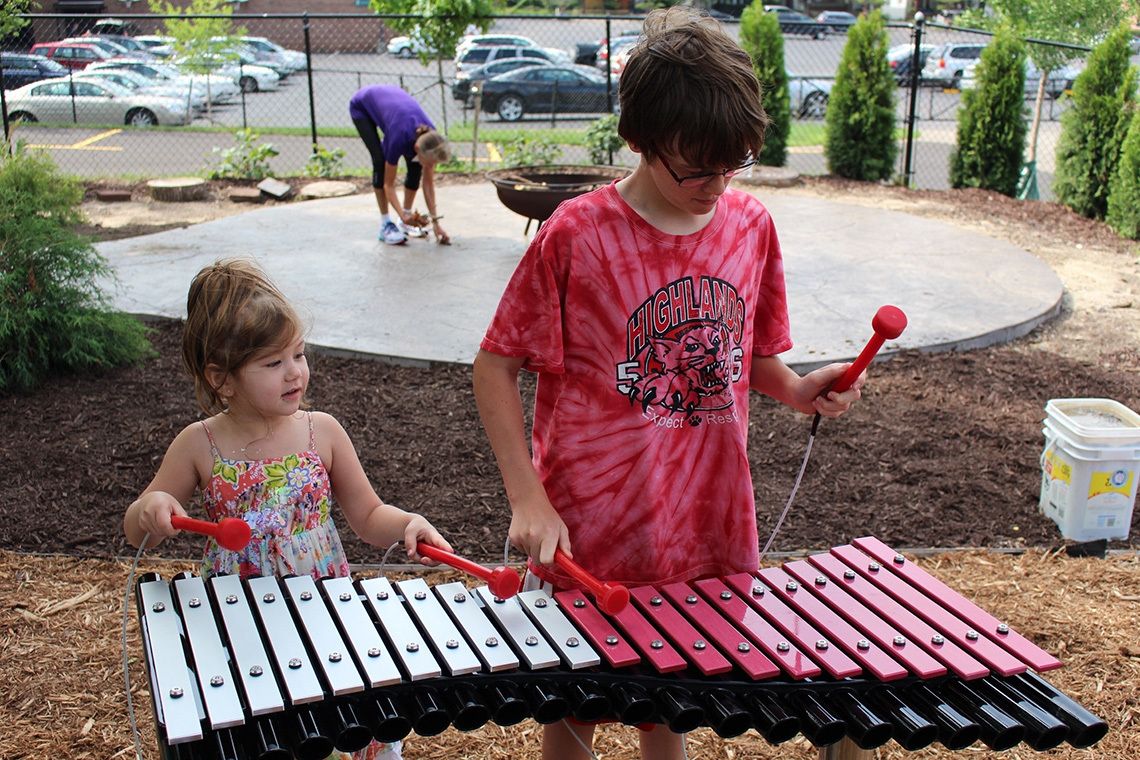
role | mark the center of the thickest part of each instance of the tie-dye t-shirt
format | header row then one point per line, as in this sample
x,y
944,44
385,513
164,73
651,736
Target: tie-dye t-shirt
x,y
642,342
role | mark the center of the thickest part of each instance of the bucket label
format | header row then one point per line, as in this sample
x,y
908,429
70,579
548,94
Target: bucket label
x,y
1057,468
1106,483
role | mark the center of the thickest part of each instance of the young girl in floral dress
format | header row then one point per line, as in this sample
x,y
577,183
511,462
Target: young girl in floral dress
x,y
261,456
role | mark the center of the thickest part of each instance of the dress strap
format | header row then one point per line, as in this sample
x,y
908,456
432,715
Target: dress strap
x,y
213,444
312,433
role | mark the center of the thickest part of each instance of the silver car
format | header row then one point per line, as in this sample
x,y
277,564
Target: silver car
x,y
86,102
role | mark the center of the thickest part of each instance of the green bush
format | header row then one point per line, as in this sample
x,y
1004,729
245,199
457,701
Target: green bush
x,y
860,141
246,160
1093,128
761,39
53,315
325,162
603,140
991,122
1124,192
530,150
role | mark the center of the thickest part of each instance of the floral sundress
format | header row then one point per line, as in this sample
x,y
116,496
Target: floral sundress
x,y
287,502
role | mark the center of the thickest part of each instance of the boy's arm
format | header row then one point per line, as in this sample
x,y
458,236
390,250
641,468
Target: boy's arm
x,y
536,527
772,377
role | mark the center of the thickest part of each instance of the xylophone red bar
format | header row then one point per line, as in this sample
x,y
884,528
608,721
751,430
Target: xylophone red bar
x,y
864,651
604,636
794,626
645,638
944,648
872,624
774,644
982,621
941,622
731,641
685,637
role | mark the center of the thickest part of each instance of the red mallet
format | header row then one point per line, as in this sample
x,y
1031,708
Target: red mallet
x,y
502,581
230,532
611,597
888,324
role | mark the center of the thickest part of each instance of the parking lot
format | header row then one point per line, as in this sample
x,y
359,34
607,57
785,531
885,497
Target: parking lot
x,y
288,116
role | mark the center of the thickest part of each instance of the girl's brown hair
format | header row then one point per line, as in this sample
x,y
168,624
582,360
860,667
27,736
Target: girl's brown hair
x,y
233,313
690,90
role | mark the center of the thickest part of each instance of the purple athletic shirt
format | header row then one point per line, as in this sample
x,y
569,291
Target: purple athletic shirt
x,y
396,113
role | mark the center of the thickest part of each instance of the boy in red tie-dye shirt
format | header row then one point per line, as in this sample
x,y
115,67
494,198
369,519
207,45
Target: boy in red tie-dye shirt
x,y
649,308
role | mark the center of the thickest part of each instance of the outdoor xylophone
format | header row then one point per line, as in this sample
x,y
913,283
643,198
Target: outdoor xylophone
x,y
856,642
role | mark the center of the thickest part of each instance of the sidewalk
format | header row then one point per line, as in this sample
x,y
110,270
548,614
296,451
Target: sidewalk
x,y
422,302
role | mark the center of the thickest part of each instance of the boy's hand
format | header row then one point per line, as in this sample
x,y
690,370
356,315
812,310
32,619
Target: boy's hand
x,y
441,235
537,530
419,529
813,390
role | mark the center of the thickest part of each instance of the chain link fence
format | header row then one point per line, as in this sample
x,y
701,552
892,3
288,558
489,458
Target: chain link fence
x,y
298,101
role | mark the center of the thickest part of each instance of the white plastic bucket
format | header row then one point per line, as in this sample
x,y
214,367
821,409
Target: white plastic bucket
x,y
1090,467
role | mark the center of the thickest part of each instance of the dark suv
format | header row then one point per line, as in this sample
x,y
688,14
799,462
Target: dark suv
x,y
24,68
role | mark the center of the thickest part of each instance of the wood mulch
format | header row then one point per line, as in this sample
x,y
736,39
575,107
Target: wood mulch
x,y
64,694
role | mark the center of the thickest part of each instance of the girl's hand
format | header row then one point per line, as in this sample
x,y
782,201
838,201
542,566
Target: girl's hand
x,y
155,509
537,530
829,404
419,529
441,235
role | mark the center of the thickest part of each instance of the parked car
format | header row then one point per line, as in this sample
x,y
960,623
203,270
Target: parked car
x,y
83,102
837,22
73,55
947,63
461,87
132,46
567,88
217,89
619,55
120,26
404,46
469,41
808,97
249,77
20,69
794,22
1057,83
900,57
159,45
141,85
478,56
294,59
621,41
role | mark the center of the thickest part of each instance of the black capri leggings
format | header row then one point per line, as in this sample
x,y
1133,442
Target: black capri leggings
x,y
369,133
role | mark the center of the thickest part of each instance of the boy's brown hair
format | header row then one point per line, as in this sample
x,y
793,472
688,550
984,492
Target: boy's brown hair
x,y
690,90
233,313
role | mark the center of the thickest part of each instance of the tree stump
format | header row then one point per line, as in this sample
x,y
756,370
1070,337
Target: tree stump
x,y
177,189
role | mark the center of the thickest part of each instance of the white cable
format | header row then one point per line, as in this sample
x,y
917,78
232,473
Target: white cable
x,y
792,495
384,559
585,747
126,659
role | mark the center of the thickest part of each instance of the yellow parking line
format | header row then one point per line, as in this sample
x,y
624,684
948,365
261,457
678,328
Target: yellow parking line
x,y
77,146
96,138
493,153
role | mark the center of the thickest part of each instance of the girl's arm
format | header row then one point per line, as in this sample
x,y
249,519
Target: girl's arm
x,y
772,377
429,199
369,517
536,527
172,486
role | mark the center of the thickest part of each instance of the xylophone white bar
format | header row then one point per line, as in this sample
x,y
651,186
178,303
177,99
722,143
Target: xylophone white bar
x,y
364,639
250,659
210,659
172,687
292,660
468,612
450,647
408,643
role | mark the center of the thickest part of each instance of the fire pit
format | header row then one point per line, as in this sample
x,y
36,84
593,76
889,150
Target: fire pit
x,y
535,191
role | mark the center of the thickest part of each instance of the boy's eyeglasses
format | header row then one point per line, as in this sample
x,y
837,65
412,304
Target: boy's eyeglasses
x,y
696,180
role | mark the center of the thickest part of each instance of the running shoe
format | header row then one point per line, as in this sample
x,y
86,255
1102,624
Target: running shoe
x,y
391,234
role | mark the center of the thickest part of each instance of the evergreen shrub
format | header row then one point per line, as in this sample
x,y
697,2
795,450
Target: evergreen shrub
x,y
761,39
1124,192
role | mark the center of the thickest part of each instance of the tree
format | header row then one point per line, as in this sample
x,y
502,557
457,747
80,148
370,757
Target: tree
x,y
1075,22
860,141
199,43
439,24
1124,192
1093,129
991,122
761,39
53,316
